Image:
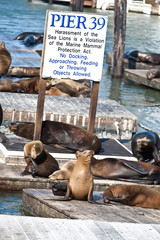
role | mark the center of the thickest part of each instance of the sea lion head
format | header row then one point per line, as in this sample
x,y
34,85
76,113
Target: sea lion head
x,y
115,193
85,156
33,149
143,142
2,44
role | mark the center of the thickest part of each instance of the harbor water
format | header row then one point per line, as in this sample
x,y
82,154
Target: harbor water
x,y
143,34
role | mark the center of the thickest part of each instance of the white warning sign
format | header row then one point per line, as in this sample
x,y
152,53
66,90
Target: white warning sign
x,y
74,45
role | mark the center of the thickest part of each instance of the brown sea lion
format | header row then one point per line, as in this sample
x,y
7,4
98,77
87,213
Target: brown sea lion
x,y
39,161
64,172
80,185
54,91
30,85
60,134
145,57
153,73
145,147
118,169
5,59
66,88
133,195
75,85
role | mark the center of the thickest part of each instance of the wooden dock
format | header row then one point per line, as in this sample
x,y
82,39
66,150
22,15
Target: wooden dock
x,y
139,76
112,119
12,162
40,202
29,228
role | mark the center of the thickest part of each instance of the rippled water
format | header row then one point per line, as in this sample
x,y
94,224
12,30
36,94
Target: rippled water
x,y
143,34
11,204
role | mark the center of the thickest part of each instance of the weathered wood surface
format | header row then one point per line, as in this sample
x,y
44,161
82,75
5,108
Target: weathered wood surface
x,y
35,228
110,114
128,63
139,76
40,203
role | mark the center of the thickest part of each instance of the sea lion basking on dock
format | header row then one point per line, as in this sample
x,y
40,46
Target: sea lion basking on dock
x,y
80,185
145,57
39,161
133,195
58,134
145,147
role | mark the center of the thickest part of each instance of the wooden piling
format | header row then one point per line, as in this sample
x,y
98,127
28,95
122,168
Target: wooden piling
x,y
120,12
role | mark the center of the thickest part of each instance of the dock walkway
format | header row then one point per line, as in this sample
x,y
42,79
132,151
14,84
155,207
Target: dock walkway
x,y
29,228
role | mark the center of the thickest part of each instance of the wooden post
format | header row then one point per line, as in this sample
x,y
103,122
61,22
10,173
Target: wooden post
x,y
120,12
41,97
93,106
77,5
40,108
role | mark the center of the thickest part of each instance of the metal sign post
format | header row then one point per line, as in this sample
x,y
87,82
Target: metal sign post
x,y
73,49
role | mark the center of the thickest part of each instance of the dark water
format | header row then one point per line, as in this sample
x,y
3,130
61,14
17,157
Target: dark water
x,y
143,34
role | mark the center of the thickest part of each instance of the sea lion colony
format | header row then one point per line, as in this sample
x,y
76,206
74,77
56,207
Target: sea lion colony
x,y
63,87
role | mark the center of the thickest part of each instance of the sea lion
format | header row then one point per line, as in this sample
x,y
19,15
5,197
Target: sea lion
x,y
23,35
66,88
29,85
133,195
117,169
145,57
145,147
39,161
80,185
56,92
65,135
131,171
5,59
75,85
64,172
153,73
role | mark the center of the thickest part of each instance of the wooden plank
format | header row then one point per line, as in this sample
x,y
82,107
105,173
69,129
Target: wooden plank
x,y
139,76
40,203
128,230
21,227
22,108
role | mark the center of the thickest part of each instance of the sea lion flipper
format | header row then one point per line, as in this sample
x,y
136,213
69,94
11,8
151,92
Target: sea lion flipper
x,y
135,166
59,188
156,155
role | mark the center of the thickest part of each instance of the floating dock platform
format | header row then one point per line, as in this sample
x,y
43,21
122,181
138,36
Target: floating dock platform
x,y
139,76
40,203
112,119
12,162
